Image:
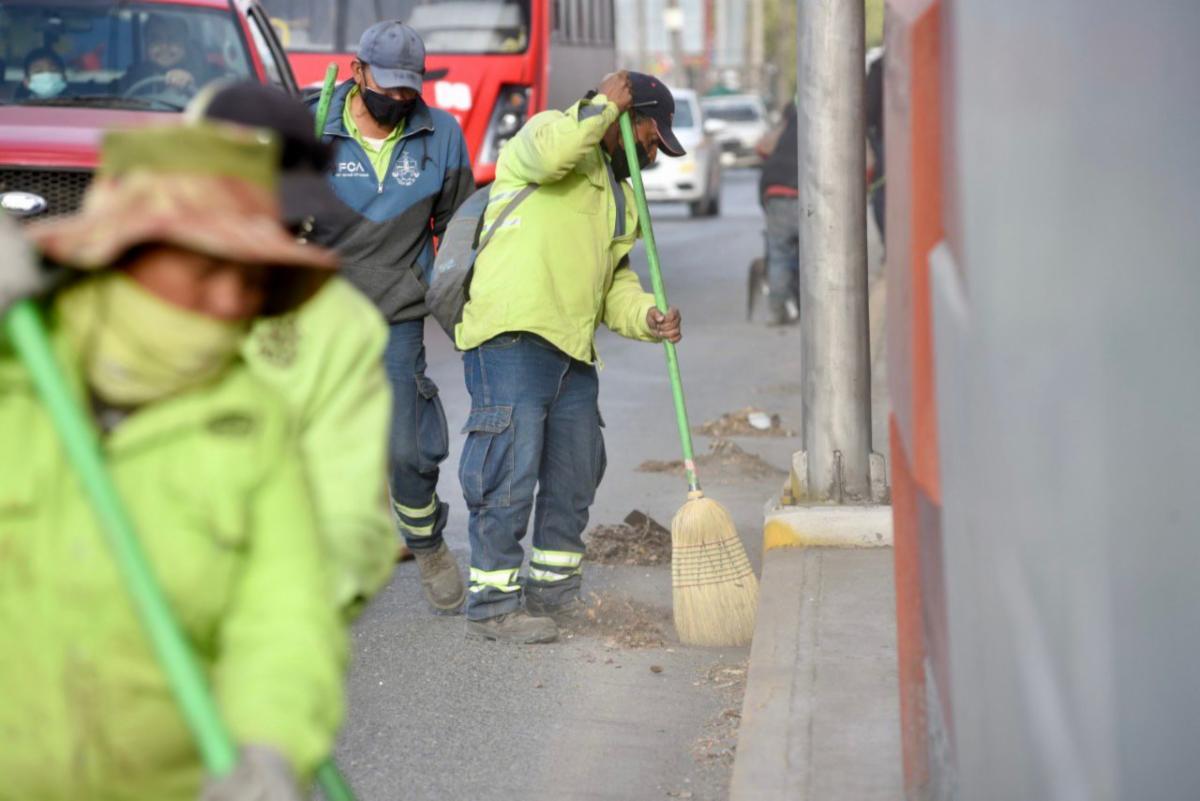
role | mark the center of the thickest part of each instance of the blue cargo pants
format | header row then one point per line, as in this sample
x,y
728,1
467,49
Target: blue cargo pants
x,y
419,440
534,425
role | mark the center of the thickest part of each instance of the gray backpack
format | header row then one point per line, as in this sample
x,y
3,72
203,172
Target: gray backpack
x,y
457,251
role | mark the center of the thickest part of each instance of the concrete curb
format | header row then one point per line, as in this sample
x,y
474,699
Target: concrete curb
x,y
826,527
775,754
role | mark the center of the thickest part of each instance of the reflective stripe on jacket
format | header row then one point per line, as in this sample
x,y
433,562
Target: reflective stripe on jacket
x,y
558,266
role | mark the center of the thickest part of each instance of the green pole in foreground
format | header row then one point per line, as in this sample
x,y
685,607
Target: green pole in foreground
x,y
660,299
28,335
23,323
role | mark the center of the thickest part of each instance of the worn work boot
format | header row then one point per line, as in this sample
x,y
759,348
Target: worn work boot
x,y
440,580
570,615
519,627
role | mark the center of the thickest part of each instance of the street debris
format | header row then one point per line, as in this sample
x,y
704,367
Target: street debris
x,y
748,422
640,540
725,461
718,741
623,623
656,668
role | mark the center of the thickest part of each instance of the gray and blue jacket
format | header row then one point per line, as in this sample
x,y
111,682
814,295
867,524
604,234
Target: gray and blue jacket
x,y
385,237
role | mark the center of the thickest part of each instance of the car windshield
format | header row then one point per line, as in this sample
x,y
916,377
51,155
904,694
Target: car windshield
x,y
446,26
115,55
731,112
685,117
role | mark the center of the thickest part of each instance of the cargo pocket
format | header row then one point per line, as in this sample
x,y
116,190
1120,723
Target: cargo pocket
x,y
488,459
433,436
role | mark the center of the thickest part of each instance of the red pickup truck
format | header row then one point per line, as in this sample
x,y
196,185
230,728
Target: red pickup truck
x,y
72,68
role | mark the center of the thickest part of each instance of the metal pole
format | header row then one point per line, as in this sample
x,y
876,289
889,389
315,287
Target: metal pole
x,y
639,14
673,16
833,256
754,56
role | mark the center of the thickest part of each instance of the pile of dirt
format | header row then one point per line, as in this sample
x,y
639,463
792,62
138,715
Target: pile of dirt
x,y
640,540
725,460
742,423
623,623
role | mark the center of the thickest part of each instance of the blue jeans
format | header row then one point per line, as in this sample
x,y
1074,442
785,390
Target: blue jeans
x,y
419,440
783,253
534,424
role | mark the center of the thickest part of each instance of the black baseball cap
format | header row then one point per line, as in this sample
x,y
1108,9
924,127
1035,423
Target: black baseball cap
x,y
304,160
652,98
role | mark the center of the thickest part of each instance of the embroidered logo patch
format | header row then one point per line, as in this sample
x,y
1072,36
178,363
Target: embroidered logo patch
x,y
406,172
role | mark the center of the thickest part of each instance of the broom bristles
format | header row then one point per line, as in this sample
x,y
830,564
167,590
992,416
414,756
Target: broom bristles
x,y
714,587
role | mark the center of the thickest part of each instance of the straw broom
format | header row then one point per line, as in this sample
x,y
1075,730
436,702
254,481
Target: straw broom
x,y
714,589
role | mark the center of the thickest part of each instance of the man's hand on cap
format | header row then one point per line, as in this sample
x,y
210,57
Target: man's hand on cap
x,y
617,88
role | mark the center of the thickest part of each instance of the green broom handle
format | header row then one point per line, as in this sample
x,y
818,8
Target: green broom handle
x,y
24,326
331,73
660,299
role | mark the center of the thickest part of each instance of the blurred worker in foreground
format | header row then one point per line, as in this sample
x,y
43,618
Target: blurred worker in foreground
x,y
325,359
403,168
179,248
556,269
780,195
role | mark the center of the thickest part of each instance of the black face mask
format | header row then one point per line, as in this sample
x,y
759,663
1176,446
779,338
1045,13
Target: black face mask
x,y
620,163
385,110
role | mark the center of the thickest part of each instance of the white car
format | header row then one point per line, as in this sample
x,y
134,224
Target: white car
x,y
694,178
741,121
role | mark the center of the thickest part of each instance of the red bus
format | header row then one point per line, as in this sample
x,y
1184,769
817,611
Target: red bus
x,y
490,63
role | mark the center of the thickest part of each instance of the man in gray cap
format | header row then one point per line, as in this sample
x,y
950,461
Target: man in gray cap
x,y
403,168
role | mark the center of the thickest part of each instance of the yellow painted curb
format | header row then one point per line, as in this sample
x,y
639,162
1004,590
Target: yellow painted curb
x,y
828,527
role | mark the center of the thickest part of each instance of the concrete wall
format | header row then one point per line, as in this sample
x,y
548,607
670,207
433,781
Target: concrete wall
x,y
1066,306
1044,362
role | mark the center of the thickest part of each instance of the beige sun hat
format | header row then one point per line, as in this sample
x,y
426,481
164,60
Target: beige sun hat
x,y
210,189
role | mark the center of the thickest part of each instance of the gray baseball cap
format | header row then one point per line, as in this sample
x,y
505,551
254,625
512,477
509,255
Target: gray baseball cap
x,y
395,54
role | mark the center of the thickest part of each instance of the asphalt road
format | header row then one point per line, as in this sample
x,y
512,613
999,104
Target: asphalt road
x,y
434,716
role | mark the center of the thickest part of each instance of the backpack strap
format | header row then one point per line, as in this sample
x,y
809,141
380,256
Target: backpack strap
x,y
509,209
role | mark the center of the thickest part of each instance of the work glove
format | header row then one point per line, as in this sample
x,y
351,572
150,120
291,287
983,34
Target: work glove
x,y
22,274
262,774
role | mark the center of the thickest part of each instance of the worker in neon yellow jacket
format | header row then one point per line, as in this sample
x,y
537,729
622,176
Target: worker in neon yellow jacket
x,y
180,249
555,269
325,359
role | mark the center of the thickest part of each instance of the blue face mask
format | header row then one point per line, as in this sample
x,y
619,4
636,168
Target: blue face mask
x,y
47,84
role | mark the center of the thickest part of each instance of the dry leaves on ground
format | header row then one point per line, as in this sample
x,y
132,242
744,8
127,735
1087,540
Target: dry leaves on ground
x,y
725,460
623,623
640,540
742,424
718,740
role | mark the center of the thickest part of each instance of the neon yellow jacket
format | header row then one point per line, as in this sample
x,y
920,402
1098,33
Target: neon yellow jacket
x,y
213,481
326,362
557,266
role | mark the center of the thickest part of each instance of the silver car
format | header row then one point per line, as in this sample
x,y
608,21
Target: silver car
x,y
694,178
740,121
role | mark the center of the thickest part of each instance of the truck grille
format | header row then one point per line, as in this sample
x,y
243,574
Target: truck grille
x,y
62,189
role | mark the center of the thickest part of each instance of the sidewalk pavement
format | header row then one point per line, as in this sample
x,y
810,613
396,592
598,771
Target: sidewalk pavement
x,y
821,716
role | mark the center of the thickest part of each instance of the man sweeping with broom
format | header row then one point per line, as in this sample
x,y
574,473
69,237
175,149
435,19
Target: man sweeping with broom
x,y
556,268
